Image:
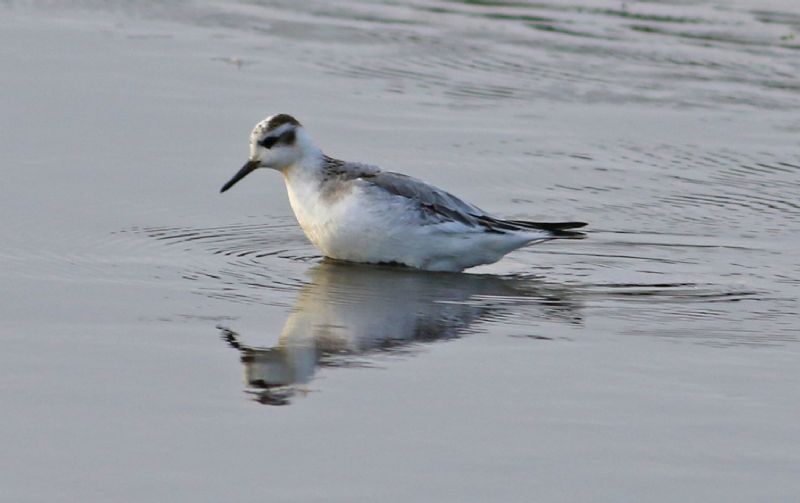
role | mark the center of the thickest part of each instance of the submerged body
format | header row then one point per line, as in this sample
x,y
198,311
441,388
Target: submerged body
x,y
358,213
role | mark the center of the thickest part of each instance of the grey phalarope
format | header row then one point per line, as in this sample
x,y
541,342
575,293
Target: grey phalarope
x,y
359,213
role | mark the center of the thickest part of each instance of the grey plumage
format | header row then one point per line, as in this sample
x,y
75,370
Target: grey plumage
x,y
434,204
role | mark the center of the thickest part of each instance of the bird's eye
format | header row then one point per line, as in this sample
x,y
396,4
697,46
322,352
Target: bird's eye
x,y
268,142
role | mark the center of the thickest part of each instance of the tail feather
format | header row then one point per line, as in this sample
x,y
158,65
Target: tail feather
x,y
547,226
557,229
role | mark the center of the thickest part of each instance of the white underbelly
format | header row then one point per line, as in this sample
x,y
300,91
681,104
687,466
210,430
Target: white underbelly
x,y
359,228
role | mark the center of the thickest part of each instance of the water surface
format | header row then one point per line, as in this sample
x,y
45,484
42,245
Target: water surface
x,y
165,342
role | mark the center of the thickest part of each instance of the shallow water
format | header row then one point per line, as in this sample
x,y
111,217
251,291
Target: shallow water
x,y
152,326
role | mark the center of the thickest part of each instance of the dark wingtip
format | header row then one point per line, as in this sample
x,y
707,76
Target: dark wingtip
x,y
568,234
561,225
547,226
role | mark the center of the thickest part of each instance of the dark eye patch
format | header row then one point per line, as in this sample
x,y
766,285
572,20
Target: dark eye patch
x,y
287,138
268,141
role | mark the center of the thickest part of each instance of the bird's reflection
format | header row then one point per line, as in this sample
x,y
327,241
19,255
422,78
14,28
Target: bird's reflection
x,y
348,312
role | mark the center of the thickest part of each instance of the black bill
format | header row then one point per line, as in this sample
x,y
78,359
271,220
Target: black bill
x,y
246,169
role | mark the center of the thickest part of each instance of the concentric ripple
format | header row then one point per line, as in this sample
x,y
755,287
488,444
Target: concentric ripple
x,y
242,262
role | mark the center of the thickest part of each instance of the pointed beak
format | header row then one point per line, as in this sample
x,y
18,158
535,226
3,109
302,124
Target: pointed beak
x,y
246,169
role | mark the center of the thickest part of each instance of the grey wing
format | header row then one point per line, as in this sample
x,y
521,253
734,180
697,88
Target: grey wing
x,y
437,205
433,202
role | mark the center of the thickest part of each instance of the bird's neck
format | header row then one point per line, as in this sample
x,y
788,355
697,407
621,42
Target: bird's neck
x,y
304,180
308,165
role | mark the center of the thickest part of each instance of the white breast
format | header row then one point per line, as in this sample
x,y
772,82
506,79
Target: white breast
x,y
350,224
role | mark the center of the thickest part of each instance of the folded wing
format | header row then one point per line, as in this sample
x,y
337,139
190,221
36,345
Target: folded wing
x,y
437,205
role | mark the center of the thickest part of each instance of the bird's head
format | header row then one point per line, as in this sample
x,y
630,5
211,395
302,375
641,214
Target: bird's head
x,y
277,142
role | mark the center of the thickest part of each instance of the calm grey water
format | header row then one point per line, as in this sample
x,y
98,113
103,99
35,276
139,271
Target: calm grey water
x,y
163,342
